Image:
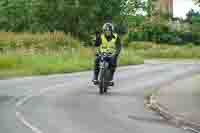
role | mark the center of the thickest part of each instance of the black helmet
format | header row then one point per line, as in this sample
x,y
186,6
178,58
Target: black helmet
x,y
108,27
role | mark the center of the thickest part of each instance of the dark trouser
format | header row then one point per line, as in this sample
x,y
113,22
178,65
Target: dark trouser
x,y
112,64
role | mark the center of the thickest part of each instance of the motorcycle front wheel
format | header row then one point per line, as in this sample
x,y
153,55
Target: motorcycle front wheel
x,y
101,81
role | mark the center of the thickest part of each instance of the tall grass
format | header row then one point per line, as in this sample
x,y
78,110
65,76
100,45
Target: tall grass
x,y
48,53
38,41
152,50
129,57
67,61
52,62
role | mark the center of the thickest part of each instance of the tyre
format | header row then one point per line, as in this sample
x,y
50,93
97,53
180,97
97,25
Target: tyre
x,y
101,82
107,76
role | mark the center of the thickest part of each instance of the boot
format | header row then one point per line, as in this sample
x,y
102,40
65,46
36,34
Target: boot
x,y
95,77
112,74
112,77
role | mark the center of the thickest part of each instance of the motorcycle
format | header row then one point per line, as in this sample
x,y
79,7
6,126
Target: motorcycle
x,y
104,73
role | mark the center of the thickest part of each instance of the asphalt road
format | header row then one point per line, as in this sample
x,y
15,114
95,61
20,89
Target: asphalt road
x,y
71,104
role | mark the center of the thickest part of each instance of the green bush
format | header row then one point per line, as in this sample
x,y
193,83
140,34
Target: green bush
x,y
196,38
176,40
136,36
159,32
196,19
156,32
197,42
165,38
187,37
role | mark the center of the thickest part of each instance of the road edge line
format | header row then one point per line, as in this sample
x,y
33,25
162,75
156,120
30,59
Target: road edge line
x,y
22,101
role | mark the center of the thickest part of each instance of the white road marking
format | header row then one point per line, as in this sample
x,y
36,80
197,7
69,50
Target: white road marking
x,y
191,129
22,101
27,124
29,96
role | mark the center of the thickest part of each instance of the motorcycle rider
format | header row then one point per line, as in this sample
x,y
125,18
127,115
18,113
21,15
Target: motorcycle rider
x,y
110,42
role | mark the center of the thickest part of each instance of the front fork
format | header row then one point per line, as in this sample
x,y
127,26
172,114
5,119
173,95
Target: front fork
x,y
101,69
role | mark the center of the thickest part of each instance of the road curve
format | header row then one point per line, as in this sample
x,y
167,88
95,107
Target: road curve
x,y
71,104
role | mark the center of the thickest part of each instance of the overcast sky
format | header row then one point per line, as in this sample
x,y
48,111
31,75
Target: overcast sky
x,y
181,7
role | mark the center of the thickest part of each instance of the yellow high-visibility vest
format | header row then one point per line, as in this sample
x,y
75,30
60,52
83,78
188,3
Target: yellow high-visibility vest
x,y
108,46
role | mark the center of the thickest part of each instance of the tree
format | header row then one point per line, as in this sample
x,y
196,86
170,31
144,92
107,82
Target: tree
x,y
74,16
193,17
149,8
130,7
197,2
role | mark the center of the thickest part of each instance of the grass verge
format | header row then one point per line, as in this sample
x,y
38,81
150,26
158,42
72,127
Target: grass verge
x,y
151,50
14,64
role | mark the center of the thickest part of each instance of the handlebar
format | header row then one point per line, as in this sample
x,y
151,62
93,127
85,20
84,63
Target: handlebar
x,y
106,54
